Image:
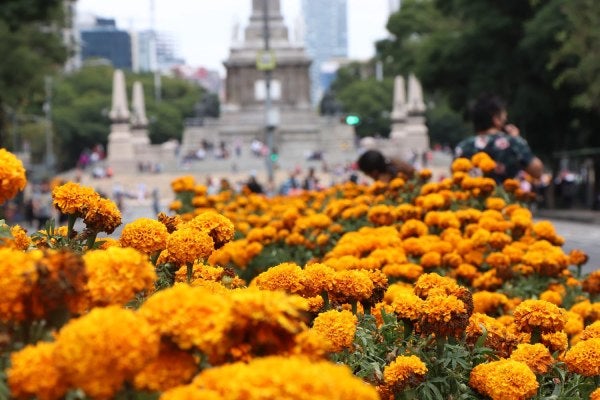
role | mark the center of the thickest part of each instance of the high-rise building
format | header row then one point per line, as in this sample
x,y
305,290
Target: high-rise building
x,y
145,55
105,41
326,37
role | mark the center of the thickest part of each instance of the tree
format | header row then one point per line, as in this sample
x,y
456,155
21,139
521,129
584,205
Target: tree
x,y
82,101
32,48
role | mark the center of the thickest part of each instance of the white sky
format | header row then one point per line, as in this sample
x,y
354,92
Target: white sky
x,y
202,29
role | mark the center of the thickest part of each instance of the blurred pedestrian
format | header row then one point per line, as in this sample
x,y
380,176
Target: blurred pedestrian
x,y
500,140
375,165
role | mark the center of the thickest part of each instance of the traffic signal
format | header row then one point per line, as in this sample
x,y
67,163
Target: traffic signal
x,y
352,119
274,157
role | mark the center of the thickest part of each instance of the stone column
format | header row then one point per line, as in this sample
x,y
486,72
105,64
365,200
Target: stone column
x,y
120,141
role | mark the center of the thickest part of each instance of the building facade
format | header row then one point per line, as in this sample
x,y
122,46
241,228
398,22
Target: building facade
x,y
326,39
105,41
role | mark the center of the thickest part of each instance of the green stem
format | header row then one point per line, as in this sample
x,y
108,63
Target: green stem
x,y
536,336
579,266
190,272
325,296
440,344
70,224
91,240
408,328
355,307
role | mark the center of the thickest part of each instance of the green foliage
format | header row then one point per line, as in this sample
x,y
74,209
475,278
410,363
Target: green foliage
x,y
82,101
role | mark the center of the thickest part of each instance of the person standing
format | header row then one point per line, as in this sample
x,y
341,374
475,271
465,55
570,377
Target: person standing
x,y
501,141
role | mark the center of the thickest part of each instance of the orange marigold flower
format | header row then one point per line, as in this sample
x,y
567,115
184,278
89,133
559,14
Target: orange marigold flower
x,y
584,357
495,203
172,367
551,296
407,305
504,380
116,275
286,276
595,395
536,356
484,162
578,257
87,357
591,283
338,327
74,199
317,278
187,244
18,273
435,284
21,240
431,259
351,285
404,371
102,215
381,215
443,315
12,176
407,271
28,365
591,331
183,183
145,235
218,227
461,164
539,314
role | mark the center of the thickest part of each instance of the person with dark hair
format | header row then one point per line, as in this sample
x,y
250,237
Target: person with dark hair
x,y
501,141
375,165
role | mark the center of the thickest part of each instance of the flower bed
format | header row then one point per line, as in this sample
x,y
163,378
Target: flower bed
x,y
411,289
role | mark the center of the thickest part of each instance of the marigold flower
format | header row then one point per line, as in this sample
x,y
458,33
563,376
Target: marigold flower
x,y
461,164
404,371
555,341
28,365
407,306
381,215
591,331
351,286
536,356
584,357
338,327
87,357
218,227
286,276
434,283
591,283
317,278
578,257
172,367
539,314
12,176
183,183
443,315
145,235
18,273
292,378
21,241
116,275
504,380
102,215
74,199
491,303
574,324
595,395
187,244
190,393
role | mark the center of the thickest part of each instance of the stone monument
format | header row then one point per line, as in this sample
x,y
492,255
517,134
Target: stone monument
x,y
298,129
139,121
120,149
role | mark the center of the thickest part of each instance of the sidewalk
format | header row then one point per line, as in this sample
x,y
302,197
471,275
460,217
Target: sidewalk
x,y
575,215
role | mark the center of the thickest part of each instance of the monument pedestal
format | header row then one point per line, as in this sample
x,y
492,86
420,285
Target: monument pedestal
x,y
121,152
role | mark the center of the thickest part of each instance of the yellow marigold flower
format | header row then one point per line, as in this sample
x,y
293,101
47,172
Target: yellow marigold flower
x,y
413,227
484,162
578,257
539,314
407,305
200,271
496,338
381,215
218,227
495,203
491,303
12,176
584,357
555,341
21,240
443,315
102,215
499,239
183,183
116,275
551,296
595,395
190,316
172,367
286,276
408,271
170,222
545,230
511,185
74,199
175,205
317,278
145,235
27,368
349,286
574,324
591,283
591,331
18,273
338,327
431,259
487,281
87,357
504,380
290,378
434,283
461,164
187,244
536,356
311,344
404,371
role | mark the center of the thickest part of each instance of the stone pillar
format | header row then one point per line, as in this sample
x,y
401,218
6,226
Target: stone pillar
x,y
120,142
417,138
139,121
